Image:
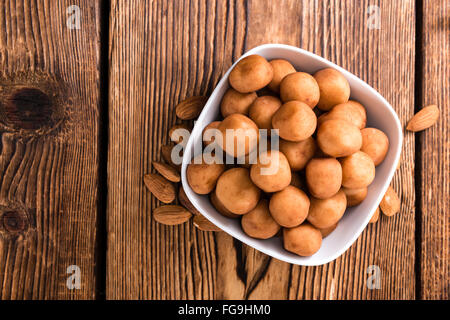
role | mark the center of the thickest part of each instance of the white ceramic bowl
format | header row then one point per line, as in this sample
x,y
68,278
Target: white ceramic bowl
x,y
380,115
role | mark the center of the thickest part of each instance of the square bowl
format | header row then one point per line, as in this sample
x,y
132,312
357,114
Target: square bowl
x,y
380,114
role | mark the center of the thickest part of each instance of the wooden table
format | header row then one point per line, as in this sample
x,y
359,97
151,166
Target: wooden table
x,y
74,149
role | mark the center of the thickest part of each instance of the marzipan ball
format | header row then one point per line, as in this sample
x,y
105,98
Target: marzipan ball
x,y
289,207
298,153
202,177
334,88
324,177
236,102
350,111
258,223
295,121
272,172
358,170
324,213
251,74
242,138
300,86
304,240
339,138
236,191
208,136
355,196
262,110
375,143
220,207
326,231
281,68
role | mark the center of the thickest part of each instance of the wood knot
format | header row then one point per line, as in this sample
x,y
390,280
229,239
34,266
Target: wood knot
x,y
13,222
29,109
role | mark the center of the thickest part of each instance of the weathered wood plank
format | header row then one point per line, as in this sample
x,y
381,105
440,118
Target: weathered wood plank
x,y
435,153
190,45
49,111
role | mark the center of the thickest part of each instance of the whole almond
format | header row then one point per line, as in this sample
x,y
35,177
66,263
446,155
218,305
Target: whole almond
x,y
390,204
167,171
171,215
423,119
166,152
191,107
375,215
161,188
182,197
204,224
178,138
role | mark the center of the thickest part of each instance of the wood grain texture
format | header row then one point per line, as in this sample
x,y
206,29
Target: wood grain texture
x,y
191,44
49,141
435,153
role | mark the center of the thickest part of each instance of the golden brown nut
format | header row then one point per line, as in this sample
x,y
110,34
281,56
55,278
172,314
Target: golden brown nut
x,y
289,207
272,172
324,177
258,223
324,213
236,191
208,136
220,207
281,68
304,240
375,215
358,170
326,231
375,143
339,138
298,153
390,204
242,137
355,196
300,86
202,177
262,110
334,88
295,121
251,74
350,111
236,102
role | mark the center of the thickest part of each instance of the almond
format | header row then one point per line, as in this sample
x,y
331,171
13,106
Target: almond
x,y
204,224
182,197
171,215
166,152
178,138
167,171
161,188
390,204
191,107
423,119
375,215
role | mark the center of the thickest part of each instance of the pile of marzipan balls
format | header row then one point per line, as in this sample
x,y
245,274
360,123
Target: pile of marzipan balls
x,y
326,158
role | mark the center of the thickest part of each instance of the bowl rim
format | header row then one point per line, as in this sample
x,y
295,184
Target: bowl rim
x,y
280,255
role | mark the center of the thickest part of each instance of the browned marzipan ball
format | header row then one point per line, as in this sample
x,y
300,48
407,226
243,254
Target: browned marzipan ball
x,y
334,88
236,191
251,74
298,153
324,213
304,240
339,138
350,111
295,121
375,143
358,170
324,177
262,110
236,102
272,172
258,223
326,231
212,125
220,207
202,177
300,86
355,196
281,68
244,137
289,207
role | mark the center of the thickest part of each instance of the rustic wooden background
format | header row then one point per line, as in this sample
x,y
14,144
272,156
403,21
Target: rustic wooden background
x,y
71,190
